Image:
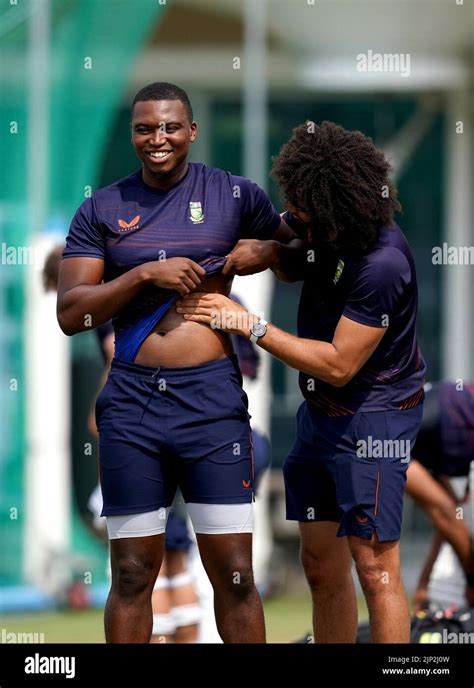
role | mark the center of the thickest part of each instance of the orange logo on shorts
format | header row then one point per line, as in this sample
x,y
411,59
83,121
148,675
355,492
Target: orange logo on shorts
x,y
246,483
362,519
128,225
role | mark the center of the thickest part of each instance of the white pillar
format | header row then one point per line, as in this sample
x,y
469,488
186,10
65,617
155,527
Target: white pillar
x,y
39,60
47,466
256,290
457,326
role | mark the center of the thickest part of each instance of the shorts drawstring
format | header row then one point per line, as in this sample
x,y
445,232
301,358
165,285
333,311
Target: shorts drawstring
x,y
152,392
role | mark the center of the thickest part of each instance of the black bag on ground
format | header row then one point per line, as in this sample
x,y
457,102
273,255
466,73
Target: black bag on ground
x,y
452,626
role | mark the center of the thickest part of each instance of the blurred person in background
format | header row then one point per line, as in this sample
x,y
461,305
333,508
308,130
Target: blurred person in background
x,y
444,450
361,373
176,611
104,332
105,339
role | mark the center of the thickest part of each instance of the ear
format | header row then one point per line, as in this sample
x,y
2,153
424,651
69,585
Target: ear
x,y
193,135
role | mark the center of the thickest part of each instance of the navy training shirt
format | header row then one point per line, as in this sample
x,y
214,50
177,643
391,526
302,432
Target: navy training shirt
x,y
201,217
375,288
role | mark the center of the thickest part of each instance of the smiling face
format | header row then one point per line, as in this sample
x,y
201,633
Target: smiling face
x,y
161,136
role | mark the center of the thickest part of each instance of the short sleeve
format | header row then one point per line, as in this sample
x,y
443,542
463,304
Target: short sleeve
x,y
259,219
85,237
298,227
378,283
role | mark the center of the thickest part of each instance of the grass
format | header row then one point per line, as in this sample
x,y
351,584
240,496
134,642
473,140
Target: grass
x,y
288,618
58,627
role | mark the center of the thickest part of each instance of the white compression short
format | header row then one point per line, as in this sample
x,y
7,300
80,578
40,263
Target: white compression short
x,y
208,519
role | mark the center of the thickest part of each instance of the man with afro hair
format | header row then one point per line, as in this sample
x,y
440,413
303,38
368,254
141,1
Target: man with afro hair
x,y
361,373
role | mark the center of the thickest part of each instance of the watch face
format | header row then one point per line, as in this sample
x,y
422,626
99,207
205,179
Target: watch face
x,y
259,329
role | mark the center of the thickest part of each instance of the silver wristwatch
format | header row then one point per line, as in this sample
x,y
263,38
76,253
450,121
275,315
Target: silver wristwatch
x,y
257,330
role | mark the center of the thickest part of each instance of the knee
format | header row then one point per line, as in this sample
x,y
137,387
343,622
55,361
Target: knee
x,y
132,576
313,568
323,574
374,577
235,578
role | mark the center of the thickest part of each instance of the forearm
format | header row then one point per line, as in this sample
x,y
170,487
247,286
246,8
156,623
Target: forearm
x,y
290,261
88,306
425,574
320,360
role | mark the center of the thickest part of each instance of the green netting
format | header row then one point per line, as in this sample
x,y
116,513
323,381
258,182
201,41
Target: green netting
x,y
94,47
13,232
92,50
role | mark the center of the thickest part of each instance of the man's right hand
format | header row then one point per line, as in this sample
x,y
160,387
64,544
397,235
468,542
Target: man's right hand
x,y
181,274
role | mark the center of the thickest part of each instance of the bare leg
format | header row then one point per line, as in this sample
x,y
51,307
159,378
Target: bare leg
x,y
238,608
327,564
378,567
135,564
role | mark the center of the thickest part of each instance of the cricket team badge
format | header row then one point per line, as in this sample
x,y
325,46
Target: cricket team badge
x,y
338,273
196,214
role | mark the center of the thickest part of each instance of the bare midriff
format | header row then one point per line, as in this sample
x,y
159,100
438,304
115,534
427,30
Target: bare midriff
x,y
179,343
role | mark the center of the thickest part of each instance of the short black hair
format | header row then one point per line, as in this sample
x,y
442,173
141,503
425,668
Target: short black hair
x,y
162,90
341,179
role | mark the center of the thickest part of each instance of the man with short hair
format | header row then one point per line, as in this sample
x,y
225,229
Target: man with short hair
x,y
173,411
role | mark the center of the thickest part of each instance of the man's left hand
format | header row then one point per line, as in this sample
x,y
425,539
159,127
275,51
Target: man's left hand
x,y
217,311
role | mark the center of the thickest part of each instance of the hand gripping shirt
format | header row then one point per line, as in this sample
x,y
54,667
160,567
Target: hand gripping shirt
x,y
129,223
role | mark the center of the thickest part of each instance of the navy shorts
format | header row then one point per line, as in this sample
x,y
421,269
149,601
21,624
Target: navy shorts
x,y
351,470
160,428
